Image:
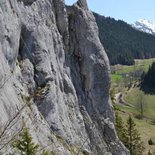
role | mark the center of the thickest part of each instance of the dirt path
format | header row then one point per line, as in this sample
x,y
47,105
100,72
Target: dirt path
x,y
119,99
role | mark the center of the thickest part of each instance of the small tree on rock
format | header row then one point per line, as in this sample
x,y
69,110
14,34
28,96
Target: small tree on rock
x,y
120,128
25,145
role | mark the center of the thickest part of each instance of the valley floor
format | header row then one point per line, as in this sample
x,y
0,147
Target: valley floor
x,y
129,97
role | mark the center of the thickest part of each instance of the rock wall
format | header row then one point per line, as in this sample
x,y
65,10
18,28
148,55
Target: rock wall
x,y
54,78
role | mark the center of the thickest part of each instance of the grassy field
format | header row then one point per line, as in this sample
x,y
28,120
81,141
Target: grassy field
x,y
131,95
139,65
148,101
145,128
120,72
116,78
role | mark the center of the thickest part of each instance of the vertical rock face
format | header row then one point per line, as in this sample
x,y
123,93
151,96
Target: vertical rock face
x,y
82,4
54,77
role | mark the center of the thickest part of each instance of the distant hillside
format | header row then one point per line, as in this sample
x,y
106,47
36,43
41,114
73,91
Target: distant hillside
x,y
123,43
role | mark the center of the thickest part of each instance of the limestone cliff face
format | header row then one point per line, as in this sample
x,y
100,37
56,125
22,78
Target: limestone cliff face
x,y
54,77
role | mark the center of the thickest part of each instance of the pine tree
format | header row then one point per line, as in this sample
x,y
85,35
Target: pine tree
x,y
121,131
148,78
133,143
129,135
25,145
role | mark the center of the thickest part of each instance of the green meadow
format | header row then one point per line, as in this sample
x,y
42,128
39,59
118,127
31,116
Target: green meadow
x,y
125,81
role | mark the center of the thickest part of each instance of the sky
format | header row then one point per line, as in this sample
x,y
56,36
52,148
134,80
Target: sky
x,y
127,10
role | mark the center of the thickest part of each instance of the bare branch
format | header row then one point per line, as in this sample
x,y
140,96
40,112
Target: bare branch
x,y
10,121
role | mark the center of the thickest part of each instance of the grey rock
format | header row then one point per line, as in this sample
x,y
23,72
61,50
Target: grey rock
x,y
27,2
54,77
62,20
82,4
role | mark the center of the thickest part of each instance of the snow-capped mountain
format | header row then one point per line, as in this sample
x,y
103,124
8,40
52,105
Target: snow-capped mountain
x,y
145,26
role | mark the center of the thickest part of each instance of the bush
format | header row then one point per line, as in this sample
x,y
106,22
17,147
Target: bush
x,y
24,144
149,153
85,152
153,122
138,116
116,108
150,142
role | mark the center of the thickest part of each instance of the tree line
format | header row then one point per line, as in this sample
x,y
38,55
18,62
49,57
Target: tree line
x,y
148,80
123,43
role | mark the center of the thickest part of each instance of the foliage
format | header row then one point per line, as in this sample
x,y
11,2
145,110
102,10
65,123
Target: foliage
x,y
140,104
150,142
149,153
116,78
148,82
153,121
116,107
134,143
149,107
123,43
121,131
138,116
25,145
112,95
129,135
85,152
49,153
